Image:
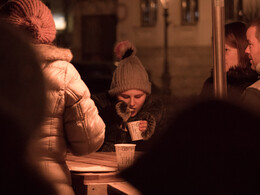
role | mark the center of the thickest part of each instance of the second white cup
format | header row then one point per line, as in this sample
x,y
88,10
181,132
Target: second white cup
x,y
134,131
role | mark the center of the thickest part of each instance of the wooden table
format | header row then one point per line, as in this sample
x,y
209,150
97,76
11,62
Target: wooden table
x,y
97,173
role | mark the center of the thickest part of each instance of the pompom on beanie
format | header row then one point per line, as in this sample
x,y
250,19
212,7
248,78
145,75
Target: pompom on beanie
x,y
130,73
34,17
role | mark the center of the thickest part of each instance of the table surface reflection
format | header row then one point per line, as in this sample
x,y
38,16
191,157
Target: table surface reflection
x,y
97,169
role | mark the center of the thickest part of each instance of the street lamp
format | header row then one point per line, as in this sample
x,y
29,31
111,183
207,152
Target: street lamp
x,y
166,77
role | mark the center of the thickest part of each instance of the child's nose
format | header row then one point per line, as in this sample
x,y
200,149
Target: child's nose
x,y
132,102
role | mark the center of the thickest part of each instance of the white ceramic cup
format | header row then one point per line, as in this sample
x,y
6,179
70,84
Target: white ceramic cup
x,y
124,155
134,131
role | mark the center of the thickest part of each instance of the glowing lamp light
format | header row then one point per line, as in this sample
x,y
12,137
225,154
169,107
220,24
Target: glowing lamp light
x,y
165,4
60,21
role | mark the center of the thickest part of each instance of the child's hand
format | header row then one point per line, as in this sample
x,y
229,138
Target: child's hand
x,y
143,126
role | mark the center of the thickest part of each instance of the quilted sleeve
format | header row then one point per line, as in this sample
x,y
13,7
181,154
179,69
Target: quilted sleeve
x,y
83,126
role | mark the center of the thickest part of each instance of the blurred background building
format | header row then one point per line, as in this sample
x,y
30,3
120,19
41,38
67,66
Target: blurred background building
x,y
92,27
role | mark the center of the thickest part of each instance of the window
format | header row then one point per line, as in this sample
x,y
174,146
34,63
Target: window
x,y
189,12
148,12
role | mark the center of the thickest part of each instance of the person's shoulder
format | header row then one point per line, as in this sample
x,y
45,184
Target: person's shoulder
x,y
103,99
99,96
253,91
251,97
155,106
53,57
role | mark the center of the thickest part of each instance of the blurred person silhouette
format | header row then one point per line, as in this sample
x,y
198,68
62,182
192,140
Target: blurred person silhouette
x,y
22,102
211,147
238,68
128,99
71,121
2,2
251,95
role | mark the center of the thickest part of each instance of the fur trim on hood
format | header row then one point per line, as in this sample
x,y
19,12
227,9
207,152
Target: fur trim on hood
x,y
52,53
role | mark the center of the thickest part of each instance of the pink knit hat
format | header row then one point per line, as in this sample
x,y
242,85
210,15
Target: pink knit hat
x,y
33,16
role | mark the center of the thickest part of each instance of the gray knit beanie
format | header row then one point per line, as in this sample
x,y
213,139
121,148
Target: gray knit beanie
x,y
130,73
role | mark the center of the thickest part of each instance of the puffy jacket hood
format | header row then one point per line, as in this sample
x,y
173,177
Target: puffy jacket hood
x,y
52,53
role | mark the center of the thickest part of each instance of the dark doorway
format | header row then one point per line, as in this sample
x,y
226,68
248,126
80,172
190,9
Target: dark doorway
x,y
98,37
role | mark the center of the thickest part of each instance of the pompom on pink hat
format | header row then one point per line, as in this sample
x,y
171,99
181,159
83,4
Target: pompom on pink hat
x,y
33,16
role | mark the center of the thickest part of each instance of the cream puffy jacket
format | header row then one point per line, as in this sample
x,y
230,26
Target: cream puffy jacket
x,y
72,122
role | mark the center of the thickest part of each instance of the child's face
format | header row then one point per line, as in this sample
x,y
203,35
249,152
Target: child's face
x,y
134,98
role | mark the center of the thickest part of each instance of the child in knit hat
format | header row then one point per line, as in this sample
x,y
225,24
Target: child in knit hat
x,y
128,99
71,121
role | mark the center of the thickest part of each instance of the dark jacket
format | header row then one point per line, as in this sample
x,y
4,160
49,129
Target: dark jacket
x,y
251,97
238,79
112,112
